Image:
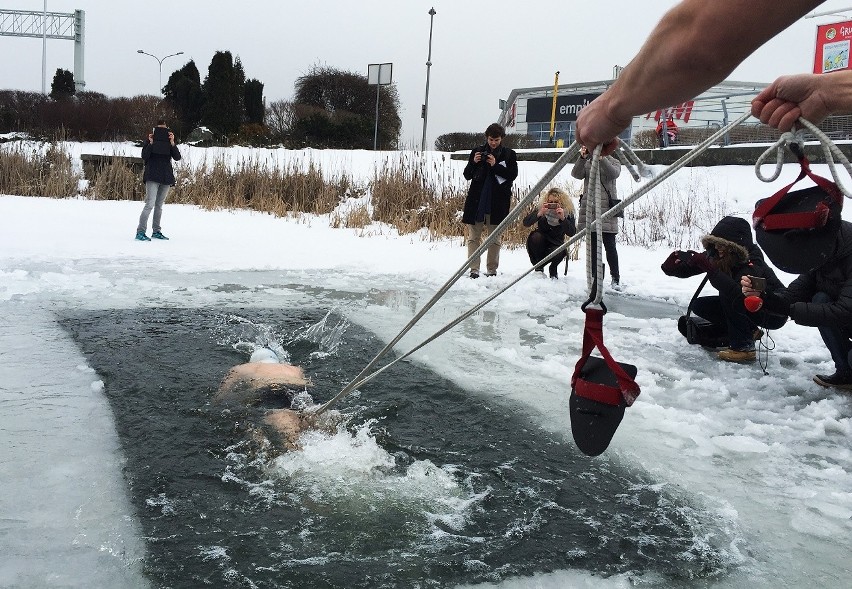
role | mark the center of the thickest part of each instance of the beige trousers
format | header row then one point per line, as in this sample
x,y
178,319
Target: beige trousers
x,y
475,235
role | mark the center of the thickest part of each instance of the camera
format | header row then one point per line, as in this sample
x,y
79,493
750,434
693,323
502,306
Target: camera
x,y
553,205
484,155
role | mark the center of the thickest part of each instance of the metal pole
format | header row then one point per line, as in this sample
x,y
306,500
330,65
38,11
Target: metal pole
x,y
553,107
44,49
376,132
425,113
160,64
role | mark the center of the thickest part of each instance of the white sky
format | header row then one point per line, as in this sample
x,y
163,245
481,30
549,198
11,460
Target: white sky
x,y
480,50
767,455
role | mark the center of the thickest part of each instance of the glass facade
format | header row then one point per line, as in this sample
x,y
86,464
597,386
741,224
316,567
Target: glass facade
x,y
540,132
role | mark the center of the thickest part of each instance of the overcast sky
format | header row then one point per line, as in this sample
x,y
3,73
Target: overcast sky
x,y
481,50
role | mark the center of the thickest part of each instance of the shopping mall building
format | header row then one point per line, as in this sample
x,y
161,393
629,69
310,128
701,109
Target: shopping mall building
x,y
530,110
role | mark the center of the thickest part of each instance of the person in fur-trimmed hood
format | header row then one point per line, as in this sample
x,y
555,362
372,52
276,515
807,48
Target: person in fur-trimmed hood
x,y
729,254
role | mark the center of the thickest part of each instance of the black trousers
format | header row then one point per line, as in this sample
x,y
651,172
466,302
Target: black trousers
x,y
538,248
611,253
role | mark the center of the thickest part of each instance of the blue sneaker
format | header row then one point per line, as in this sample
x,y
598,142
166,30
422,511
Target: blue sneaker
x,y
140,236
158,235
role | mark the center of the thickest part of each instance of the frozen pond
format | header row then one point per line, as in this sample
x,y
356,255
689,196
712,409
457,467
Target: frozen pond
x,y
456,468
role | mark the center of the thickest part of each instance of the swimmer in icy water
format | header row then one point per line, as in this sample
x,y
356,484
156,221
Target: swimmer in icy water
x,y
264,378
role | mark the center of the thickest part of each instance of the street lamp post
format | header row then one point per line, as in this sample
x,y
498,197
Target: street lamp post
x,y
425,112
160,62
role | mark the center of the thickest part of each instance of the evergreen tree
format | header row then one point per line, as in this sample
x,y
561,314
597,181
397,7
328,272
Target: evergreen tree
x,y
183,93
253,99
62,85
223,109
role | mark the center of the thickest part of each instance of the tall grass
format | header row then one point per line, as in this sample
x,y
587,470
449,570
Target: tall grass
x,y
37,173
407,192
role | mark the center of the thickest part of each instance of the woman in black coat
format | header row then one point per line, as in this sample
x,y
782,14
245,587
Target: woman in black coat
x,y
730,254
554,221
157,152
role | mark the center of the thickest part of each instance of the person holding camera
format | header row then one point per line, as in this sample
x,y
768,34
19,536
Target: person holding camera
x,y
491,169
610,169
821,297
730,254
157,152
554,220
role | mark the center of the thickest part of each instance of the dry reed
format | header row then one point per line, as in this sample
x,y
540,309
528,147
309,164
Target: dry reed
x,y
36,173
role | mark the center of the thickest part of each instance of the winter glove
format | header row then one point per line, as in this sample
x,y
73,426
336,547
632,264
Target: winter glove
x,y
775,304
700,261
677,265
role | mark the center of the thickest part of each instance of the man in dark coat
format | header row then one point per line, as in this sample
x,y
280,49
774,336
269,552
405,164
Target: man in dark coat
x,y
158,152
491,168
730,254
822,298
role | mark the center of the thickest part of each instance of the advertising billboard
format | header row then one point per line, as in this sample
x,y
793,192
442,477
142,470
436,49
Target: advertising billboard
x,y
567,107
832,47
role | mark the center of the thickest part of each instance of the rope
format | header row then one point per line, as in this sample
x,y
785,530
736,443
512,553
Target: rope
x,y
643,171
510,218
594,275
829,150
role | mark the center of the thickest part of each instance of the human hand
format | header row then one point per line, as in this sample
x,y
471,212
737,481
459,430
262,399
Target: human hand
x,y
490,159
781,103
171,138
700,261
748,288
150,138
596,124
560,212
477,157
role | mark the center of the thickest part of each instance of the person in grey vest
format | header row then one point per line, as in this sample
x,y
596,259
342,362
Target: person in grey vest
x,y
610,169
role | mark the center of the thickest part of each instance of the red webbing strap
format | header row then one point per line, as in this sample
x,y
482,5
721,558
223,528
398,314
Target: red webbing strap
x,y
802,220
593,338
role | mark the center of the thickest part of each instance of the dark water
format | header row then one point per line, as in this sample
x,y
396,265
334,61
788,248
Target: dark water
x,y
212,515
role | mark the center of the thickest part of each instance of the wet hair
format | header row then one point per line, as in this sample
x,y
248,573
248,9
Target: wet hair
x,y
564,200
495,130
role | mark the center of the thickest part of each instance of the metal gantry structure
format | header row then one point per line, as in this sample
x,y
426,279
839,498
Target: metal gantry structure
x,y
50,25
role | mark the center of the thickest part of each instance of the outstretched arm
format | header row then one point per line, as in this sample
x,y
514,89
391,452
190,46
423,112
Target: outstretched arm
x,y
695,45
812,96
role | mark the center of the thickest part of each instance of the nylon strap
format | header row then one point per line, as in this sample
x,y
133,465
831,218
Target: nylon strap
x,y
627,389
800,220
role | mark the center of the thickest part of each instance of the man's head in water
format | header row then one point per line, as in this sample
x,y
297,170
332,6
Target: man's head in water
x,y
264,355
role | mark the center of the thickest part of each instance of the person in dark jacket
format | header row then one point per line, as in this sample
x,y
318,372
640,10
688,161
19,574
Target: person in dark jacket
x,y
491,168
158,153
610,169
822,298
730,254
554,220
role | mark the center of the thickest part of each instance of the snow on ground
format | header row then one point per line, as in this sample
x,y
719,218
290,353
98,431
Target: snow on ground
x,y
770,452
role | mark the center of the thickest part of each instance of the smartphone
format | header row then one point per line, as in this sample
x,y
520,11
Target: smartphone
x,y
758,283
161,133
